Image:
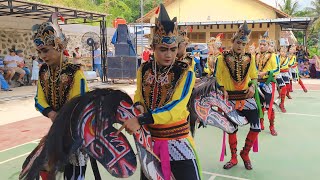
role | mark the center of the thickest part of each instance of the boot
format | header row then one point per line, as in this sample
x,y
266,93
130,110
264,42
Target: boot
x,y
271,127
288,91
251,138
233,149
302,85
283,97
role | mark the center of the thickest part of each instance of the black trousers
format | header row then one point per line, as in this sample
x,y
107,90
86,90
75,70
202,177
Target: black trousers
x,y
72,172
182,170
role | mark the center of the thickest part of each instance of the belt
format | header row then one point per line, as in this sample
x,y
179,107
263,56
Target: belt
x,y
177,130
262,80
284,70
237,95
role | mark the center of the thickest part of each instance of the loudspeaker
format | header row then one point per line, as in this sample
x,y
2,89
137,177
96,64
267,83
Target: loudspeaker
x,y
122,49
122,31
123,67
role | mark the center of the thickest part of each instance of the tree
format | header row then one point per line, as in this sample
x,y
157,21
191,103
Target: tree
x,y
315,9
290,7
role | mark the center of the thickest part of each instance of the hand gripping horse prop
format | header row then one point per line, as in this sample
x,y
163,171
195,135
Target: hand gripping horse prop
x,y
86,123
207,106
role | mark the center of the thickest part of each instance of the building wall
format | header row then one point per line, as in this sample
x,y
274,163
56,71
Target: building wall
x,y
226,10
218,10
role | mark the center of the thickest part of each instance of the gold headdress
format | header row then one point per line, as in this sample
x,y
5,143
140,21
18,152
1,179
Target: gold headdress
x,y
214,41
165,30
182,35
49,33
242,33
265,38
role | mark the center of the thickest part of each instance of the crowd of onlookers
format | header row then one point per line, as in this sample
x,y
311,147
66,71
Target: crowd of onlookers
x,y
15,69
309,67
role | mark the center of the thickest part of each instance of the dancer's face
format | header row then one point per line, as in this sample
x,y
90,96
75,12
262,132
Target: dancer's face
x,y
238,46
182,49
165,54
49,55
263,47
283,52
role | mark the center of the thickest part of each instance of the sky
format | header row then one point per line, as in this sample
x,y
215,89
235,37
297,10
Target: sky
x,y
302,3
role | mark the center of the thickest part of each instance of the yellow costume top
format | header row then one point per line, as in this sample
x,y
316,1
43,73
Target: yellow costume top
x,y
165,100
284,63
211,63
267,62
293,61
55,89
234,72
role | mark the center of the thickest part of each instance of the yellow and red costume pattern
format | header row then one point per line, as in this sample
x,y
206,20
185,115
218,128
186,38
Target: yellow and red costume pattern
x,y
233,73
165,100
55,88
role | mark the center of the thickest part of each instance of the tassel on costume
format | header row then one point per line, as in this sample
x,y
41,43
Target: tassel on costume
x,y
223,149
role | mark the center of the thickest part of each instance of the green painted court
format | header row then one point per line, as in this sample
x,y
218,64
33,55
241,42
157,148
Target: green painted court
x,y
293,154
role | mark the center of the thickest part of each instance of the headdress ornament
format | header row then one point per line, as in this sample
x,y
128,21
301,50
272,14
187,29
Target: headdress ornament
x,y
166,30
242,33
50,33
265,38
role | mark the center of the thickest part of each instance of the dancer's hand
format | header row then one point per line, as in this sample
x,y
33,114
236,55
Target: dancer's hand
x,y
262,74
131,125
250,92
52,115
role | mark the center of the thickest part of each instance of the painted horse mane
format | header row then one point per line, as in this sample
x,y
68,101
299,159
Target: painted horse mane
x,y
63,137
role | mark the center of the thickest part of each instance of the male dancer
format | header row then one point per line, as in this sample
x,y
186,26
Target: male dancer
x,y
267,68
235,69
163,91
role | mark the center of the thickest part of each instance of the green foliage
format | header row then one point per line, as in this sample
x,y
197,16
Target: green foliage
x,y
127,9
289,6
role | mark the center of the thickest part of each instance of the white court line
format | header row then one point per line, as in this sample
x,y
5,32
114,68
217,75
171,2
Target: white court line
x,y
34,141
299,114
2,162
221,175
212,177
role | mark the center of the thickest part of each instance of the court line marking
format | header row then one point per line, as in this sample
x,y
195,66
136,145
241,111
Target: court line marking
x,y
221,175
34,141
300,114
212,177
5,161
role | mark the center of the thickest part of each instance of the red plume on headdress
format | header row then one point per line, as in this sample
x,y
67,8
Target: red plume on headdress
x,y
220,35
157,10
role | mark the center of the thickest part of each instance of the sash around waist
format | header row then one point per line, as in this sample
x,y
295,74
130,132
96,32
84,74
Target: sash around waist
x,y
177,130
237,95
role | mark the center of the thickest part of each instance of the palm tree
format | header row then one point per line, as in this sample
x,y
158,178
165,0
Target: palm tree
x,y
289,6
315,9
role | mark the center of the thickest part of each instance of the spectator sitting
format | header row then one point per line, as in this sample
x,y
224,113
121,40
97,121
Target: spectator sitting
x,y
22,64
305,73
11,63
3,83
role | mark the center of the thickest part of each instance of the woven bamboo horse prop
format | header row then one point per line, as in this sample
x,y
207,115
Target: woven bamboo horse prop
x,y
86,122
208,107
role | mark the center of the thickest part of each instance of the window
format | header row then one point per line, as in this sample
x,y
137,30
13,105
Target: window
x,y
197,37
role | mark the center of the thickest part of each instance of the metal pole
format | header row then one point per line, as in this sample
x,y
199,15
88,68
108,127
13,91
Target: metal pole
x,y
141,4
